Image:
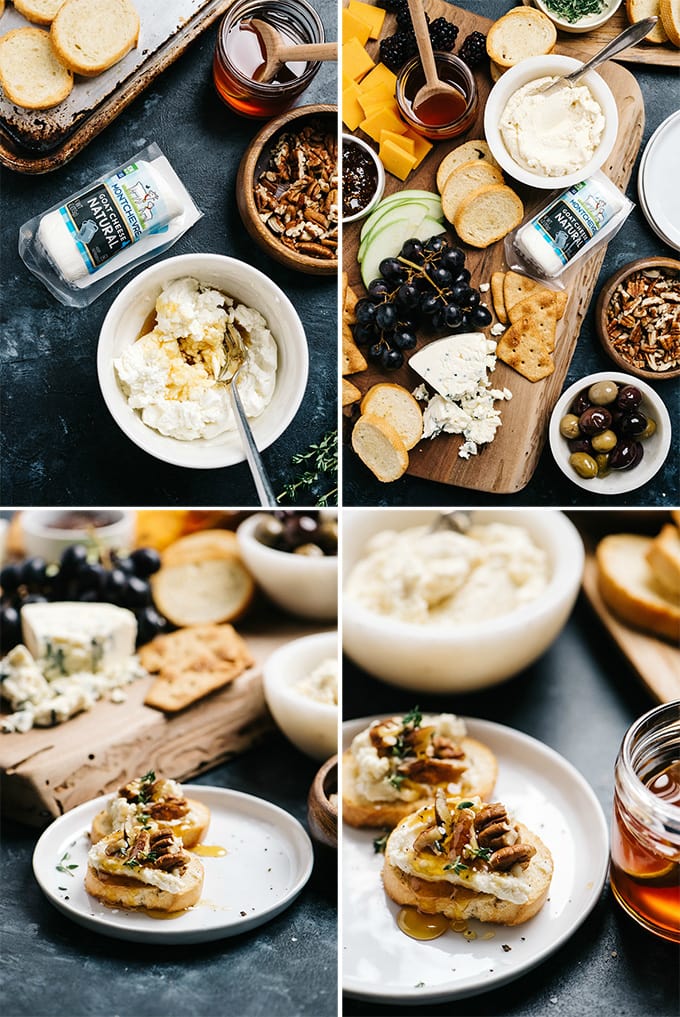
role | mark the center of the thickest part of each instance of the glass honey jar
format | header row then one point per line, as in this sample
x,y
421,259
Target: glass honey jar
x,y
444,116
645,851
239,56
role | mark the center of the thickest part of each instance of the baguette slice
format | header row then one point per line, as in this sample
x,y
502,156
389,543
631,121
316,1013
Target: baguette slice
x,y
380,447
397,406
190,833
488,214
629,587
470,151
125,892
664,560
465,179
90,36
42,12
204,591
458,903
670,18
203,545
31,75
522,32
639,9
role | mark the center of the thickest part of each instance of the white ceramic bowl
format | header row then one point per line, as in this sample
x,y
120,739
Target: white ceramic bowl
x,y
655,448
44,540
519,75
462,658
586,24
311,726
300,584
126,319
349,139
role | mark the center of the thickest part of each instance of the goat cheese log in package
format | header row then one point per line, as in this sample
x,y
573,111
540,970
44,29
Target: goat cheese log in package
x,y
86,242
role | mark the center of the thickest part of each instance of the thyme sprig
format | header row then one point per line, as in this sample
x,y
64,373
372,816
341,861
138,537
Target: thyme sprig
x,y
321,470
67,869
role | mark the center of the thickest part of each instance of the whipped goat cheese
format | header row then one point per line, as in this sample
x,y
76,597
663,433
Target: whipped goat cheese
x,y
552,133
443,578
163,879
322,684
170,374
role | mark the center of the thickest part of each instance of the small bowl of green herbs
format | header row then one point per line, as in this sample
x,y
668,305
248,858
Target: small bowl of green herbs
x,y
578,15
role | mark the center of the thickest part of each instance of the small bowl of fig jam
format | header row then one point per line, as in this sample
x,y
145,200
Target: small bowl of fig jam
x,y
439,117
363,179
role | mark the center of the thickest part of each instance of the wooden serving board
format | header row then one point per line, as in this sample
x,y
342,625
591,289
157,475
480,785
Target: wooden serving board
x,y
47,771
589,43
507,464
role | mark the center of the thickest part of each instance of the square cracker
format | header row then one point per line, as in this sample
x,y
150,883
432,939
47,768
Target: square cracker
x,y
536,315
525,352
349,302
191,663
497,297
350,393
516,287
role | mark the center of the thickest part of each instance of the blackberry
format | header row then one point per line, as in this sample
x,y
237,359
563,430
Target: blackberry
x,y
443,34
473,50
392,6
396,49
404,20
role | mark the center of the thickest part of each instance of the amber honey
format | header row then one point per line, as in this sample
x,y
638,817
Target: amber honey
x,y
645,850
444,115
420,926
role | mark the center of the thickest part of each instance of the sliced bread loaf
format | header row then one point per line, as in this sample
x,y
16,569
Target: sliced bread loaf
x,y
463,181
664,559
670,18
91,35
487,214
639,9
42,12
629,587
31,75
397,406
380,448
205,591
470,151
522,32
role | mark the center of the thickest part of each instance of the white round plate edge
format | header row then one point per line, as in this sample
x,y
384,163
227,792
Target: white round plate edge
x,y
116,927
600,839
668,124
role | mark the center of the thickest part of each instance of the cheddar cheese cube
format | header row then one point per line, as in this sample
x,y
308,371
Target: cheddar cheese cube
x,y
380,75
355,60
421,146
383,120
395,160
372,16
354,28
352,113
400,140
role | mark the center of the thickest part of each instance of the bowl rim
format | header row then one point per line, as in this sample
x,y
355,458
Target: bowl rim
x,y
116,403
246,532
380,189
603,300
507,84
569,558
558,443
272,672
245,183
572,27
39,529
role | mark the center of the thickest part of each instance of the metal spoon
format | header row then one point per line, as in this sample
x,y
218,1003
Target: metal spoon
x,y
456,520
277,51
235,357
630,36
433,86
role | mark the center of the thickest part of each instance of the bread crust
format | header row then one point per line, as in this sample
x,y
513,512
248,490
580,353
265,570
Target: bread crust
x,y
360,812
459,904
539,22
60,91
639,9
641,603
31,11
462,224
67,51
190,834
124,892
670,17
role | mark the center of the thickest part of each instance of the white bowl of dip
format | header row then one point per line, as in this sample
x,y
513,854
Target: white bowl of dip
x,y
584,24
550,149
309,723
461,655
128,319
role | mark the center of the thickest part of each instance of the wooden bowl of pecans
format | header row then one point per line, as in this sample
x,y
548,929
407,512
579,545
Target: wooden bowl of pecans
x,y
638,318
287,189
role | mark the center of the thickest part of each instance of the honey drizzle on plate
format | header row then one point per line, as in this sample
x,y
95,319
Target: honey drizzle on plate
x,y
209,850
420,926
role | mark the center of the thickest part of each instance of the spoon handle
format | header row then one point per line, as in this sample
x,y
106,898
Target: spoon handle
x,y
261,480
424,42
309,51
630,36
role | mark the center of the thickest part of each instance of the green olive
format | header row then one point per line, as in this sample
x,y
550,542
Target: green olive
x,y
583,464
269,531
649,430
602,460
603,392
604,441
309,550
569,426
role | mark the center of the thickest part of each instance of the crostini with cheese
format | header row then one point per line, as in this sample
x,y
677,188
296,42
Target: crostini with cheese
x,y
150,801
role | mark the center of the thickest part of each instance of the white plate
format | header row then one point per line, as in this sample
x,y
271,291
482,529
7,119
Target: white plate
x,y
661,163
268,861
541,789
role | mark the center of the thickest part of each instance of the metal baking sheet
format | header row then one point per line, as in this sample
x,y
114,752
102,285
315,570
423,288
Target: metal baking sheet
x,y
36,141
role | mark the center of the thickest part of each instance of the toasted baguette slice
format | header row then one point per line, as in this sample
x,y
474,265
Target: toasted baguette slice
x,y
670,18
639,9
470,151
126,892
380,447
488,214
664,559
458,903
629,587
41,12
522,32
495,71
90,36
360,811
203,545
205,591
463,181
190,833
396,405
31,75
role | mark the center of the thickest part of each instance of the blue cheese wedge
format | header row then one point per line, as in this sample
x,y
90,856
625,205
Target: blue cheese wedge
x,y
456,365
69,637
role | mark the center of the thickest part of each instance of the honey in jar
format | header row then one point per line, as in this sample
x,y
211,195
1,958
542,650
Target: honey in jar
x,y
645,851
441,116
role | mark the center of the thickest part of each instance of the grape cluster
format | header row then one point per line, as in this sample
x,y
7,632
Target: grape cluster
x,y
111,579
426,285
396,49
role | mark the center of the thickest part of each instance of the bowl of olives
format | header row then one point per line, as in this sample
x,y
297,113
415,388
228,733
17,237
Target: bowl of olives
x,y
610,433
293,557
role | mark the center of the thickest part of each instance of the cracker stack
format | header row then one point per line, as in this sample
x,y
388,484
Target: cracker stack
x,y
532,311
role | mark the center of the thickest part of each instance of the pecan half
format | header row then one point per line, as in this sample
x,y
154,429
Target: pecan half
x,y
506,857
430,771
444,748
170,808
493,813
